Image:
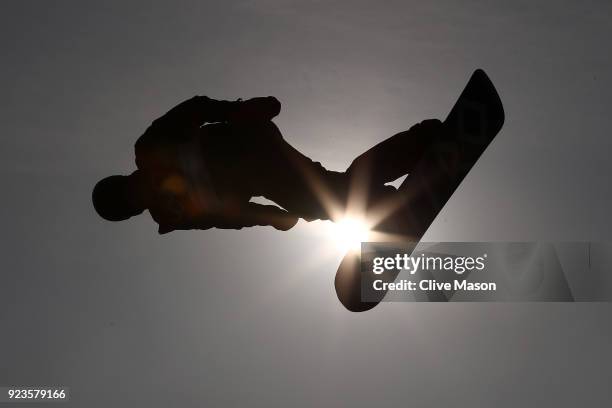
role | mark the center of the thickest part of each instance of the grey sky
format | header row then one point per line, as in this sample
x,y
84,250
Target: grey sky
x,y
128,318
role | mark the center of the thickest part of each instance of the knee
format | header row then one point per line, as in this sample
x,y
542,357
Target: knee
x,y
266,133
270,129
360,167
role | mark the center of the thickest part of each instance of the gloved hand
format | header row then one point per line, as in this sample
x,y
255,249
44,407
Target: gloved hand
x,y
254,109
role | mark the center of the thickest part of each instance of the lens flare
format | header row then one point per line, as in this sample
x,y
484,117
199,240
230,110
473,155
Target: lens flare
x,y
348,233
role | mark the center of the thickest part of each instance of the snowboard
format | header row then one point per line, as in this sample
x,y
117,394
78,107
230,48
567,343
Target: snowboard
x,y
473,122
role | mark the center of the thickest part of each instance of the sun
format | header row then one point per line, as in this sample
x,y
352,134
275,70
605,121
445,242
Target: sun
x,y
348,233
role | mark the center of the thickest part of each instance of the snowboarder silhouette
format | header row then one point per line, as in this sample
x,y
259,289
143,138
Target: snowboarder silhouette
x,y
199,165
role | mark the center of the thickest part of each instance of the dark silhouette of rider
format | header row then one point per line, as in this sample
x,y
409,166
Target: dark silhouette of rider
x,y
200,164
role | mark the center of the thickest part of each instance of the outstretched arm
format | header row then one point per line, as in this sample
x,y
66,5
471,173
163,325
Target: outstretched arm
x,y
199,110
167,132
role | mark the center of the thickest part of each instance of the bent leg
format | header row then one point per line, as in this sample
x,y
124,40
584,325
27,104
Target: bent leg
x,y
306,188
291,179
397,155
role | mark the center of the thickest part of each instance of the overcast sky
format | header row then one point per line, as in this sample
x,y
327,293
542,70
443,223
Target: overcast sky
x,y
209,318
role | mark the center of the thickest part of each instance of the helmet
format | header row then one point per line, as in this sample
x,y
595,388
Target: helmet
x,y
114,198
